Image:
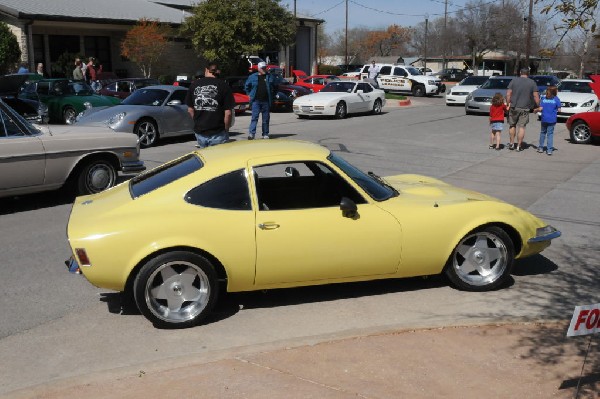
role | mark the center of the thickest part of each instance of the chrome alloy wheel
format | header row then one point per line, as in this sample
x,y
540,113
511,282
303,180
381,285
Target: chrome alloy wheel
x,y
581,132
480,259
147,133
177,291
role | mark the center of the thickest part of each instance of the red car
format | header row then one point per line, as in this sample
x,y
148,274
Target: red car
x,y
122,88
584,127
314,82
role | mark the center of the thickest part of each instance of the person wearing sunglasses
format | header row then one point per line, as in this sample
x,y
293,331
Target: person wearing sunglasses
x,y
210,101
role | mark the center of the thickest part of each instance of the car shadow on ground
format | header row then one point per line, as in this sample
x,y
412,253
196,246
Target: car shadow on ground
x,y
228,304
46,199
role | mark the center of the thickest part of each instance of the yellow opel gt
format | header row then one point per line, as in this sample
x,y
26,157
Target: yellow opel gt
x,y
256,215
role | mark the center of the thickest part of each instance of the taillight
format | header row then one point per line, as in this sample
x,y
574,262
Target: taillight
x,y
82,257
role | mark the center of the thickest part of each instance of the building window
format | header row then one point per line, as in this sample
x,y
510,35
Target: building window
x,y
38,48
99,47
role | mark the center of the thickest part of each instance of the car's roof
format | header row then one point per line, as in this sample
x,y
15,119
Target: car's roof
x,y
577,80
165,87
242,151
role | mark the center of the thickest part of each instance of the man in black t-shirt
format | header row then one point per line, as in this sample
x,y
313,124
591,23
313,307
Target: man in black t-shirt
x,y
210,102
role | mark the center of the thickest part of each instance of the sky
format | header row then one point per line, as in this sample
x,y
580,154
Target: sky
x,y
379,13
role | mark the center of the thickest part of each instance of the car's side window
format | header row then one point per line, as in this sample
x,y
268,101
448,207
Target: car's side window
x,y
301,185
229,191
400,72
8,127
123,87
178,95
366,88
386,70
43,87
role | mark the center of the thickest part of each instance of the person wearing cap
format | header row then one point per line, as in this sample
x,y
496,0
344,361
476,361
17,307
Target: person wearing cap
x,y
210,101
522,96
261,87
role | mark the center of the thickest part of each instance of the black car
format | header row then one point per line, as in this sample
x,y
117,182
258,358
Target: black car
x,y
31,109
452,74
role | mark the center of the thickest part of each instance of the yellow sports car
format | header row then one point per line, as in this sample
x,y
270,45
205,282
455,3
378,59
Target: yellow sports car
x,y
266,214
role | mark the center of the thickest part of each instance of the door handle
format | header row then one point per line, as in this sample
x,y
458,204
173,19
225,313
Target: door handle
x,y
268,226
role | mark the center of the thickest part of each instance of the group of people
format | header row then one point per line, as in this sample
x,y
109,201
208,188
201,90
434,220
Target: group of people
x,y
522,96
210,103
24,69
87,71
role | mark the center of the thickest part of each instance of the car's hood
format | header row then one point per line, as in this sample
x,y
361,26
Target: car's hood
x,y
102,114
53,130
428,189
464,87
488,92
319,98
572,97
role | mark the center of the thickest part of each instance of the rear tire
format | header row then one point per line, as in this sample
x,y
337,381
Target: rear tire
x,y
377,107
176,289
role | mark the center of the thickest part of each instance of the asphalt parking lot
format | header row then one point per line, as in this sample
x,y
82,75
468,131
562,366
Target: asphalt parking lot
x,y
55,326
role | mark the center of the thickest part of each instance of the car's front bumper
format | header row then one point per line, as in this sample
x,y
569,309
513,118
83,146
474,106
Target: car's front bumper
x,y
132,166
545,234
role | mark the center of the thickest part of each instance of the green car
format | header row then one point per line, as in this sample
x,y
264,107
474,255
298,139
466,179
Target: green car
x,y
65,98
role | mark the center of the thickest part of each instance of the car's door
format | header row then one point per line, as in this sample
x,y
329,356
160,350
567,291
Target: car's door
x,y
22,155
364,97
175,118
302,234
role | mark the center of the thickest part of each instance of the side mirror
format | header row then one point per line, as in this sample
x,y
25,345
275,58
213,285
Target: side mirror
x,y
348,207
290,171
174,102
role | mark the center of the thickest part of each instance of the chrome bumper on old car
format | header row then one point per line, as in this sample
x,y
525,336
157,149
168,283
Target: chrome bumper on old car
x,y
545,233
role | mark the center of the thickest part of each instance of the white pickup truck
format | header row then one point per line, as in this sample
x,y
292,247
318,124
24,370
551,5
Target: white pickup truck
x,y
405,79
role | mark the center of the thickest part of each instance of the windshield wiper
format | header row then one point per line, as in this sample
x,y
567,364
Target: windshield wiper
x,y
382,181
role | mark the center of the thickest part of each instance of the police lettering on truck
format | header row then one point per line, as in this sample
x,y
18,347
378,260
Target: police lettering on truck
x,y
405,79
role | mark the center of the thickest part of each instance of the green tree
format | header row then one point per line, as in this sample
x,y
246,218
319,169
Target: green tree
x,y
226,30
145,44
10,53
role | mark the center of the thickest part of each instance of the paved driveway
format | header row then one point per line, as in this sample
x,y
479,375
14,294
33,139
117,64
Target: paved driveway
x,y
55,325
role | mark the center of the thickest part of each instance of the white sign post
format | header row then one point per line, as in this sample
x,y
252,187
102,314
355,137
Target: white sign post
x,y
585,321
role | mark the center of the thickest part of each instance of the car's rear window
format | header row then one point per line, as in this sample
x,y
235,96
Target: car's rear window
x,y
163,175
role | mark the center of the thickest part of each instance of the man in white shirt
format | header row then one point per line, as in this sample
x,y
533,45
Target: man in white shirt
x,y
373,73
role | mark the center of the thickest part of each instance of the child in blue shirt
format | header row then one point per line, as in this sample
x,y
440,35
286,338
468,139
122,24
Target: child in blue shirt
x,y
549,106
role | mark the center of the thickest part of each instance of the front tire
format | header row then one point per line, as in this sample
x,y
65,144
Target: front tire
x,y
96,175
482,260
176,289
340,110
69,115
418,90
377,107
581,133
147,133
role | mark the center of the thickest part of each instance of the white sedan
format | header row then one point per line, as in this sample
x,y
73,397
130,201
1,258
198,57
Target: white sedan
x,y
576,96
458,93
340,99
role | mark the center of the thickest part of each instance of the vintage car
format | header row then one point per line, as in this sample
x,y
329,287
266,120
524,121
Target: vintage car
x,y
264,214
340,99
584,127
31,109
458,93
65,98
40,159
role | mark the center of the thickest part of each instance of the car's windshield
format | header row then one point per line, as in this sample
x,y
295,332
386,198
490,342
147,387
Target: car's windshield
x,y
413,71
13,124
575,87
153,97
496,84
339,87
474,80
377,190
77,88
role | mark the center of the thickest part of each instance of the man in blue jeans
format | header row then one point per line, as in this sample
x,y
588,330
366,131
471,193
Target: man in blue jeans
x,y
210,102
261,87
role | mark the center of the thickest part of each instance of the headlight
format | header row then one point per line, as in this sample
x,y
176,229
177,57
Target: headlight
x,y
116,119
431,82
87,105
588,103
470,97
